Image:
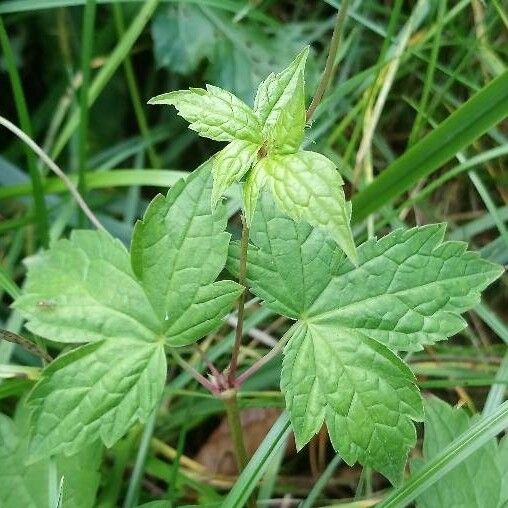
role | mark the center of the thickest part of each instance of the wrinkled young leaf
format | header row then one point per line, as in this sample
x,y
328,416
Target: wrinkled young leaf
x,y
478,480
307,186
280,106
88,289
265,149
340,367
26,485
214,113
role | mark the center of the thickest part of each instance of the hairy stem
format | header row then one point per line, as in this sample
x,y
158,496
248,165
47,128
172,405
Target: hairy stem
x,y
330,59
241,303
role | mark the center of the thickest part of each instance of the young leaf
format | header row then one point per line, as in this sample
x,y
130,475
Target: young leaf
x,y
477,481
85,290
307,186
27,484
230,165
366,395
338,363
214,113
283,93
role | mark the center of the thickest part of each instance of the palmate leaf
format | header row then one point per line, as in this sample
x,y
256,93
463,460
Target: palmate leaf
x,y
26,485
408,290
85,290
264,150
478,480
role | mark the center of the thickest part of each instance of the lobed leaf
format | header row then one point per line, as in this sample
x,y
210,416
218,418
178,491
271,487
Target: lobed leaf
x,y
366,395
97,391
83,289
214,113
86,289
178,250
408,290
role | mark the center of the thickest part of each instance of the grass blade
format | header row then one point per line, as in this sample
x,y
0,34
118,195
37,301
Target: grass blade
x,y
461,448
480,113
248,480
41,215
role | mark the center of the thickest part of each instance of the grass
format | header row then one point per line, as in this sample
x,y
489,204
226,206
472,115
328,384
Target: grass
x,y
415,118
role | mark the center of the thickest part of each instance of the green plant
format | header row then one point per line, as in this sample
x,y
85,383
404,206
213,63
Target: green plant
x,y
353,313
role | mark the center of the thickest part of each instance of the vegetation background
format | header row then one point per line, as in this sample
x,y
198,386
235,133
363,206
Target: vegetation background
x,y
76,77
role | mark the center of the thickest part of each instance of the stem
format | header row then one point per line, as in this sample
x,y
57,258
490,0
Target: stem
x,y
235,429
266,358
26,344
193,372
241,303
330,59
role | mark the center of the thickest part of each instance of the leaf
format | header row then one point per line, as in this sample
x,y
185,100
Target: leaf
x,y
346,324
307,186
183,36
366,395
230,165
27,484
94,392
214,113
83,289
476,481
408,290
283,92
87,289
289,263
178,250
252,188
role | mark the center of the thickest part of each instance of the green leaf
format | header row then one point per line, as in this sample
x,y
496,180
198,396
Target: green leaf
x,y
252,188
178,250
366,395
283,94
307,186
289,263
230,165
97,391
87,289
349,320
83,289
27,484
183,36
408,290
474,482
214,113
